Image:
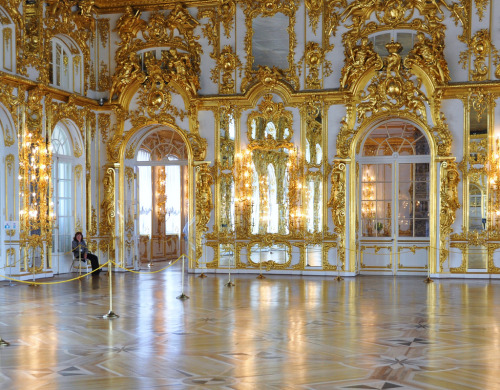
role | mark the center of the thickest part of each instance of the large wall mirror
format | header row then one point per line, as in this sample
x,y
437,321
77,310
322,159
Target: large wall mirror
x,y
271,159
267,44
270,41
477,187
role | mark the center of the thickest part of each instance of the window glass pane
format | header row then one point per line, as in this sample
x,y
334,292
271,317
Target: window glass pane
x,y
145,197
64,207
173,203
396,136
406,40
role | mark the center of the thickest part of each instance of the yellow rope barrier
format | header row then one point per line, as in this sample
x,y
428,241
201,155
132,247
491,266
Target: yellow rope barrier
x,y
150,272
32,282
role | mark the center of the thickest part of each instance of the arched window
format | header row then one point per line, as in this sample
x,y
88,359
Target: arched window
x,y
62,179
146,195
7,34
405,37
65,70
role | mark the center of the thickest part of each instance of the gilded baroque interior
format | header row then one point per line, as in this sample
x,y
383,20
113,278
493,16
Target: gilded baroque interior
x,y
281,136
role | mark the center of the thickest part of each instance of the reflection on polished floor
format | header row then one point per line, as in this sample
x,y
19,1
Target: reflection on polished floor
x,y
282,332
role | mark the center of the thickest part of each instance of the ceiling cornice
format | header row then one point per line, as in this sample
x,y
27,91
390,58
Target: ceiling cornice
x,y
118,6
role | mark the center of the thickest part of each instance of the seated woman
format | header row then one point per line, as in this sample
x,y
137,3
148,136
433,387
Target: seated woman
x,y
79,248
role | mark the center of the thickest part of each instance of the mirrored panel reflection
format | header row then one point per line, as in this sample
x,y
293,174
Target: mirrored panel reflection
x,y
478,257
314,205
226,255
277,253
227,197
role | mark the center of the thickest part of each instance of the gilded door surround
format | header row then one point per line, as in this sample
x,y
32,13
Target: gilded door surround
x,y
128,140
354,194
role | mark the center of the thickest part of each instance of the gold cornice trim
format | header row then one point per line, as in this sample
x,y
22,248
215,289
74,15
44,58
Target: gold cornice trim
x,y
118,6
458,90
329,97
250,98
55,94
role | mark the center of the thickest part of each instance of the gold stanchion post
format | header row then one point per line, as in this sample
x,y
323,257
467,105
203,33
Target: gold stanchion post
x,y
10,233
202,275
182,296
151,251
428,278
260,276
229,282
33,283
338,278
110,314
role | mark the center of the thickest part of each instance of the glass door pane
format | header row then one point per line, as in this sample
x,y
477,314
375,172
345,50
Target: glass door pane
x,y
376,200
413,198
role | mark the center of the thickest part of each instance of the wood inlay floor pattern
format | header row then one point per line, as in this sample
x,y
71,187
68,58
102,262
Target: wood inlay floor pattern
x,y
283,332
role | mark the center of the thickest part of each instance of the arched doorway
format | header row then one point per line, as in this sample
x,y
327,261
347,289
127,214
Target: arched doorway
x,y
394,199
68,191
156,195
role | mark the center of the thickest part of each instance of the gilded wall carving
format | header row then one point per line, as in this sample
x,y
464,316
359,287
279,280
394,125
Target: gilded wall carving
x,y
359,59
393,89
103,29
104,123
449,204
429,55
204,204
107,220
337,203
314,59
181,63
228,63
71,111
11,103
479,51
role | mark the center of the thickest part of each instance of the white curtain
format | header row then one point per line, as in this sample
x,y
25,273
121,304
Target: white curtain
x,y
173,204
145,194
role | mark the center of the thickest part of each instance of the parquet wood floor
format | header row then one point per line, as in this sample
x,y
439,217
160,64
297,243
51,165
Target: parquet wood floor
x,y
283,332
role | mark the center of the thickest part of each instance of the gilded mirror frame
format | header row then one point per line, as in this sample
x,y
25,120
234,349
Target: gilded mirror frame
x,y
255,8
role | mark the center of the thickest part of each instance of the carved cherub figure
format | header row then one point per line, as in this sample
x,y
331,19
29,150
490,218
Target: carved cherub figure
x,y
363,56
129,23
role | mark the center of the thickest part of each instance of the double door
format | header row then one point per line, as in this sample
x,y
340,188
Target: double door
x,y
394,214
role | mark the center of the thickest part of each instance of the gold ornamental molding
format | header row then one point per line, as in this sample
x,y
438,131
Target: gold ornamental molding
x,y
180,63
479,53
204,204
314,59
449,204
107,221
119,6
337,204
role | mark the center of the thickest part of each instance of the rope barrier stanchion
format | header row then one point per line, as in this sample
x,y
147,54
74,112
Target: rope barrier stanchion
x,y
229,282
260,276
110,314
338,278
428,278
150,264
202,275
182,296
10,253
33,283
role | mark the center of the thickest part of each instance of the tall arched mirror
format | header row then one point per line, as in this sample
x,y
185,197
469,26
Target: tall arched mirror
x,y
477,188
